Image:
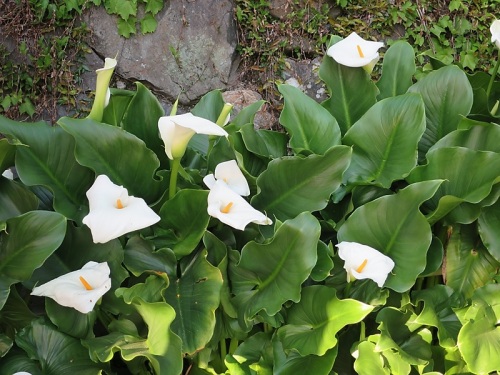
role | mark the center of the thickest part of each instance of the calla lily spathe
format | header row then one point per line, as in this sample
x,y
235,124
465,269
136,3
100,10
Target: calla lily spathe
x,y
495,33
176,132
114,213
79,289
102,93
233,210
8,174
230,173
365,262
355,51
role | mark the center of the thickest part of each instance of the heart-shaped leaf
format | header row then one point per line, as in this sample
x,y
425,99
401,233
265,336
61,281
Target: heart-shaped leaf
x,y
312,324
292,185
270,274
398,68
385,141
28,241
195,295
447,96
311,127
44,156
121,156
392,236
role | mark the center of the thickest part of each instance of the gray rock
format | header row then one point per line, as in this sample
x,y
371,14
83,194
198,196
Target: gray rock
x,y
191,52
241,98
303,74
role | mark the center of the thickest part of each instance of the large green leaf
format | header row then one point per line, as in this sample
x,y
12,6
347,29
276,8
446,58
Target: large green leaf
x,y
141,119
479,341
468,264
292,363
312,324
118,103
398,333
483,169
270,274
352,91
140,256
185,218
311,127
15,199
44,156
398,68
7,154
369,362
265,143
447,96
438,312
28,241
473,135
254,354
121,156
385,141
57,353
292,185
195,294
489,222
403,234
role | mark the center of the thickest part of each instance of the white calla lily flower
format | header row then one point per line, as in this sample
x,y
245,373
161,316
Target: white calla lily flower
x,y
231,174
355,51
365,262
495,33
102,92
8,174
21,373
176,132
79,289
114,213
233,210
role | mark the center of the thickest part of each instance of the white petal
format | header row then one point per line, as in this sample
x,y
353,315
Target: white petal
x,y
8,174
209,180
241,212
495,32
67,290
346,52
377,266
231,174
109,63
106,221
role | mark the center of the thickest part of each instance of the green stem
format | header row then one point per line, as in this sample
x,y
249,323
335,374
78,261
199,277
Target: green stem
x,y
362,331
174,171
233,345
223,350
492,79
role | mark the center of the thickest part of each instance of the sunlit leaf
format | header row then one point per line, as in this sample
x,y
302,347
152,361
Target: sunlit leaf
x,y
270,274
398,333
479,342
312,324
